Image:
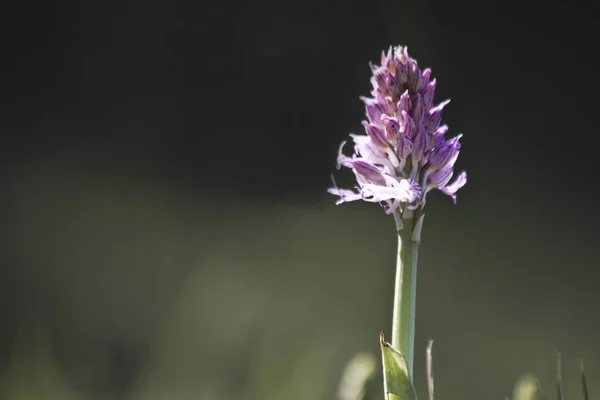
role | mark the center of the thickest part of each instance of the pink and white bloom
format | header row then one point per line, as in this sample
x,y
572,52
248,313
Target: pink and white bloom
x,y
404,153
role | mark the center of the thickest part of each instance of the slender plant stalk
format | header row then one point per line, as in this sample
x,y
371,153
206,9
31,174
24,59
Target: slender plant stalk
x,y
429,368
586,395
403,320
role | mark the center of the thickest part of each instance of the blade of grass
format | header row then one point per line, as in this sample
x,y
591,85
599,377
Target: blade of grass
x,y
429,362
559,383
586,395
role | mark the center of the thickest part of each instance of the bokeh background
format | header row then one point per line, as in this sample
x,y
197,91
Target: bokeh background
x,y
165,228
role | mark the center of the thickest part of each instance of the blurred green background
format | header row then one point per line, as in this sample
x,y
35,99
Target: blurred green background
x,y
131,289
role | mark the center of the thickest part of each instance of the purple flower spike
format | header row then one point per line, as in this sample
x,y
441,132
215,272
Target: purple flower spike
x,y
405,152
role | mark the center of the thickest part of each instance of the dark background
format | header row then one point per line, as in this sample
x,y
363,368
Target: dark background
x,y
165,227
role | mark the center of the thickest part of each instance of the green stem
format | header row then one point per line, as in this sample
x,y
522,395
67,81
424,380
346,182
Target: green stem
x,y
403,320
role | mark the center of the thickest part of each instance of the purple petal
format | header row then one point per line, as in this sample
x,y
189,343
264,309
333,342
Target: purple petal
x,y
440,177
406,124
392,128
413,73
345,195
391,63
437,138
387,103
429,93
392,86
404,104
435,117
404,146
427,153
385,82
374,109
366,170
402,57
445,154
376,134
396,68
363,170
440,131
420,143
440,106
424,80
418,111
379,77
452,188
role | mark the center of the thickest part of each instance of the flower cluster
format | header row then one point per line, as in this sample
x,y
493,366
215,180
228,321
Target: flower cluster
x,y
405,152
